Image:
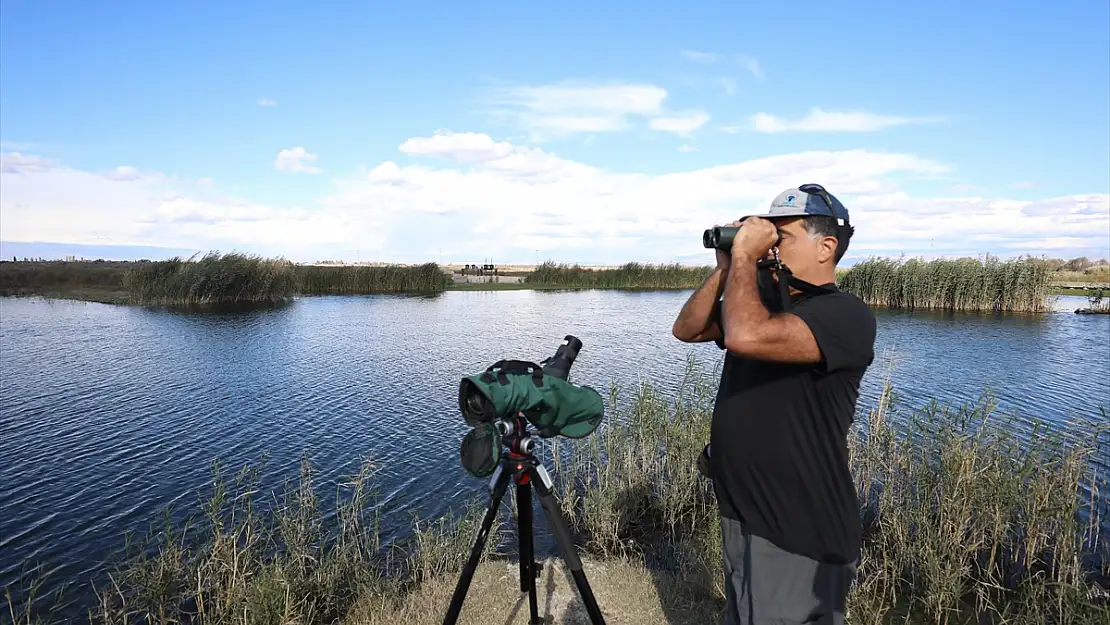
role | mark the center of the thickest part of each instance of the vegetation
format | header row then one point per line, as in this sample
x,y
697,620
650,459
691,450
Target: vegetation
x,y
213,280
964,284
628,276
965,521
331,280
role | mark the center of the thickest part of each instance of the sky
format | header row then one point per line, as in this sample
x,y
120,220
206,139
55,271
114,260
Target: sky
x,y
513,133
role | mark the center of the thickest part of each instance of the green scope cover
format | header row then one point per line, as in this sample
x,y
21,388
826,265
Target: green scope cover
x,y
553,405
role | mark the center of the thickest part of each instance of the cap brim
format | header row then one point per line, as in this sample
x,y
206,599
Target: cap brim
x,y
797,213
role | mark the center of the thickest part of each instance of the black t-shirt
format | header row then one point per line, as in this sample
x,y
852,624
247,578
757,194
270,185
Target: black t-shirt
x,y
779,435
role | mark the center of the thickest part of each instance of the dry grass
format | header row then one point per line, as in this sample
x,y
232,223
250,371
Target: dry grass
x,y
965,522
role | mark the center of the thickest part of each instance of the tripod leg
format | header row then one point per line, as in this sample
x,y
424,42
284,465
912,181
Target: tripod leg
x,y
479,545
566,544
527,554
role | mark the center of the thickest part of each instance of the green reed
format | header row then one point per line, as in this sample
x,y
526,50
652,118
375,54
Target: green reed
x,y
214,279
357,280
627,276
965,284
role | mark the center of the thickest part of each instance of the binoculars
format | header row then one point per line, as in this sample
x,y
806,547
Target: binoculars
x,y
721,237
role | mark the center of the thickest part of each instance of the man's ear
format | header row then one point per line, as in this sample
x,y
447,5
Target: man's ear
x,y
826,251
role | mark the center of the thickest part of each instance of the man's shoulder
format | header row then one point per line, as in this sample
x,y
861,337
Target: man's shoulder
x,y
838,302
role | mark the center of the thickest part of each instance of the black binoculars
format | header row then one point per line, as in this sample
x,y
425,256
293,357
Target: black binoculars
x,y
721,237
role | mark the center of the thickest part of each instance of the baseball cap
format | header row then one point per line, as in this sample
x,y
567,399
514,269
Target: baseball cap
x,y
804,200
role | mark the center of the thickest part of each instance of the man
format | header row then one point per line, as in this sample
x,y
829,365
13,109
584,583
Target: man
x,y
778,457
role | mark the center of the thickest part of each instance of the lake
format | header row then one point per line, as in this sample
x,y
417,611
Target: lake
x,y
110,414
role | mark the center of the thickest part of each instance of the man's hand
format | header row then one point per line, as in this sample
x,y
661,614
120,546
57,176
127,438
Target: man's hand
x,y
703,463
756,237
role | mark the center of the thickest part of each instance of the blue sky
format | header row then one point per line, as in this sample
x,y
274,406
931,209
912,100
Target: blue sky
x,y
576,133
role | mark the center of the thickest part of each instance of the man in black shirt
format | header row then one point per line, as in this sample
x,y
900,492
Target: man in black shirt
x,y
778,454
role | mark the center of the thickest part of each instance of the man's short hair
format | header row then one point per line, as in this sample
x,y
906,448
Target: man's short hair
x,y
824,226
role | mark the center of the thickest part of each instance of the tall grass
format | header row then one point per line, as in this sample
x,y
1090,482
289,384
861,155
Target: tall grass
x,y
628,276
326,280
966,284
213,279
964,521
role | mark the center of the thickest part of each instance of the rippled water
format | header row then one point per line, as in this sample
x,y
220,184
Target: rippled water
x,y
109,414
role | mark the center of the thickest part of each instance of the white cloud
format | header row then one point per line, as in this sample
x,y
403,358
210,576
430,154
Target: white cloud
x,y
558,110
267,102
512,200
296,160
687,148
16,163
709,58
819,120
681,123
464,147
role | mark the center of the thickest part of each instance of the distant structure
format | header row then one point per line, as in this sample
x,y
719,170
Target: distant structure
x,y
485,269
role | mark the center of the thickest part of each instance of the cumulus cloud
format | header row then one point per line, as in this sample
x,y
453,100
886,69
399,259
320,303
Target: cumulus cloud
x,y
512,200
819,120
16,163
463,147
267,102
687,148
296,160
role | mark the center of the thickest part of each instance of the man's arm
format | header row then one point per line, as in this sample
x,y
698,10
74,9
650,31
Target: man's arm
x,y
696,322
753,332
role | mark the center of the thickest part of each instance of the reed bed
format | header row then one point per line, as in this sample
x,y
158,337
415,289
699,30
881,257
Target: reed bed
x,y
214,279
965,521
627,276
327,280
966,284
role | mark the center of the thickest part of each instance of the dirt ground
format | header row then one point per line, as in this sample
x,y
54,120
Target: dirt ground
x,y
626,593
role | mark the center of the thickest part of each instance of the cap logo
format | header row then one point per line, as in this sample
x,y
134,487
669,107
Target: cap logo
x,y
789,201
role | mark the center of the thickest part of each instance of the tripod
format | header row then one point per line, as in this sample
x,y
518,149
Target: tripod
x,y
525,471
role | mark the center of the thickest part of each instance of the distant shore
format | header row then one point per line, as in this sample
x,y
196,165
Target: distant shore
x,y
1021,285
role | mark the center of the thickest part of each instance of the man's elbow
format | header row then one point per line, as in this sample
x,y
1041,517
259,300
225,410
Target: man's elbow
x,y
683,334
741,343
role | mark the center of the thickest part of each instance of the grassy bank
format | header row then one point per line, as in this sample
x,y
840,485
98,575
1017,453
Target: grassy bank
x,y
966,284
628,276
963,521
214,279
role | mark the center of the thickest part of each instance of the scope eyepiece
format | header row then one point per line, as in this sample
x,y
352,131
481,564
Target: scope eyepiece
x,y
559,365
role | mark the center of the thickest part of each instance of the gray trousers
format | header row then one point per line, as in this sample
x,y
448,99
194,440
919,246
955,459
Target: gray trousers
x,y
765,585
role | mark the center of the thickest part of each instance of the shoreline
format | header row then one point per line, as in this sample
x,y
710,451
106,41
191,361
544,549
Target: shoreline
x,y
121,297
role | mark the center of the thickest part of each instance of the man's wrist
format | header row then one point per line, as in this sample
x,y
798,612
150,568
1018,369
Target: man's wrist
x,y
742,256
